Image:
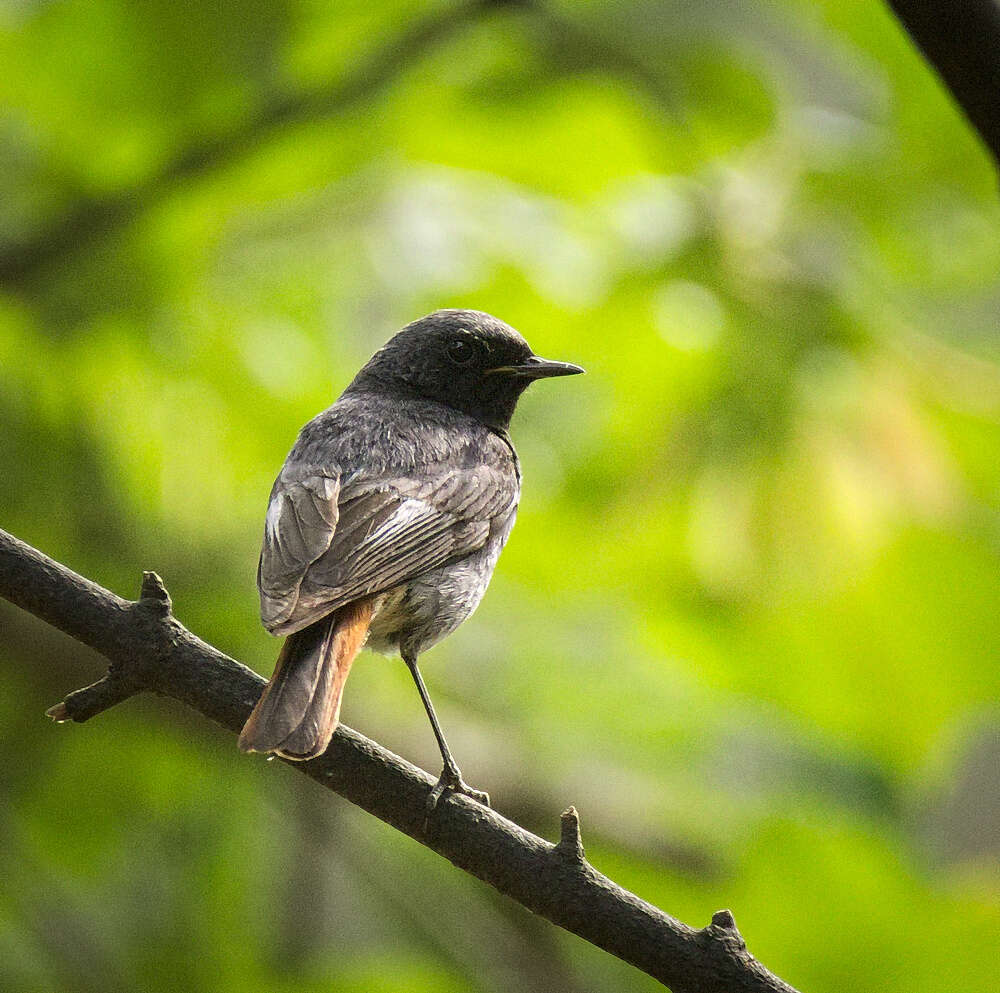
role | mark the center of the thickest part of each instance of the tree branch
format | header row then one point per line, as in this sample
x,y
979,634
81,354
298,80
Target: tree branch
x,y
149,650
961,39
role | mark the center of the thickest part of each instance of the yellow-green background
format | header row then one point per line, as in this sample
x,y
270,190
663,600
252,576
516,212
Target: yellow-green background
x,y
748,621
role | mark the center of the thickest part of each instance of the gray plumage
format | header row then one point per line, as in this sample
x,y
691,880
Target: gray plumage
x,y
390,513
386,496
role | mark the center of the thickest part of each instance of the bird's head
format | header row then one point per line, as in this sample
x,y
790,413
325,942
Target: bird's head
x,y
465,359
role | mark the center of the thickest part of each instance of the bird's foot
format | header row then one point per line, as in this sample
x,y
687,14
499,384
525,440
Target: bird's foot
x,y
451,781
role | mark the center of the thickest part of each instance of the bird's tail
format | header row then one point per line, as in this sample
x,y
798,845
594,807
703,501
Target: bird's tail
x,y
298,711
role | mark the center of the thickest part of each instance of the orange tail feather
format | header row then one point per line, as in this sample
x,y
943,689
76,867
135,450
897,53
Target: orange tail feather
x,y
299,709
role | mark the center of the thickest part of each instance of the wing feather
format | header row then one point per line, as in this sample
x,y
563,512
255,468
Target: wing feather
x,y
326,544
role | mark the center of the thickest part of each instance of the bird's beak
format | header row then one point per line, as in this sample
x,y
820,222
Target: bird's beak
x,y
539,368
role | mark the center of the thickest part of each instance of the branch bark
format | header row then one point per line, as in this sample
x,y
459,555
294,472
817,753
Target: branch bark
x,y
961,40
149,650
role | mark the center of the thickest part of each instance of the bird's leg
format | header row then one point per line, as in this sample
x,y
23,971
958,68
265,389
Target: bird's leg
x,y
451,777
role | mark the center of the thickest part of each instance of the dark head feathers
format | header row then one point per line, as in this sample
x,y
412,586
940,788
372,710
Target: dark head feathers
x,y
465,359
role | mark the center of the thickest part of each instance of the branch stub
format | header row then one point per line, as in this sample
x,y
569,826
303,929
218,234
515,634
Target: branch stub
x,y
723,928
570,845
58,713
153,595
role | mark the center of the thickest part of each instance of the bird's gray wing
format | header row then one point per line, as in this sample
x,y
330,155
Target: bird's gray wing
x,y
321,551
301,520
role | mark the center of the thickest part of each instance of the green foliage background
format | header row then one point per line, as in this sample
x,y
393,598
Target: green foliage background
x,y
748,620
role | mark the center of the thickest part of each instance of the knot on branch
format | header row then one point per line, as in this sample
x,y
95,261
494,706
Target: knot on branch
x,y
570,847
723,928
153,595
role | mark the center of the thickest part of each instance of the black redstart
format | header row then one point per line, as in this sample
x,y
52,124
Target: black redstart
x,y
387,520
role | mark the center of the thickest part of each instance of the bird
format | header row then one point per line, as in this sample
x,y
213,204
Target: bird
x,y
387,519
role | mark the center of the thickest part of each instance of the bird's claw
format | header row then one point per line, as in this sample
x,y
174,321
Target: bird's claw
x,y
451,780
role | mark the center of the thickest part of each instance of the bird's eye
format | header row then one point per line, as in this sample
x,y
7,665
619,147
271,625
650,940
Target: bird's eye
x,y
462,351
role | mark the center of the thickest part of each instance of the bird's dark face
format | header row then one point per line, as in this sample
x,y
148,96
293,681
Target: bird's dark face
x,y
463,358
